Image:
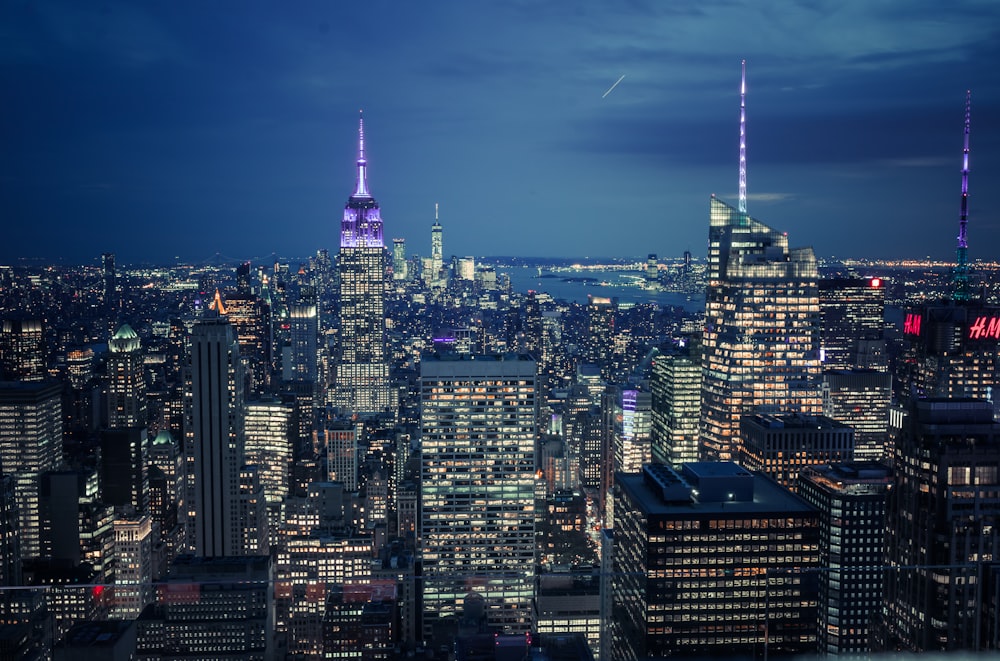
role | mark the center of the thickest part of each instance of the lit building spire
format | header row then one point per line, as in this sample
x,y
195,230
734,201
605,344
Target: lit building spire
x,y
742,207
361,189
961,278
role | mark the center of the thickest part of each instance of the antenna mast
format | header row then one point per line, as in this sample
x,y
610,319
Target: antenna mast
x,y
743,139
961,278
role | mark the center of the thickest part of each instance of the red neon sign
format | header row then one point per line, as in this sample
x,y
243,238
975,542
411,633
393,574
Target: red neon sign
x,y
985,327
875,283
911,324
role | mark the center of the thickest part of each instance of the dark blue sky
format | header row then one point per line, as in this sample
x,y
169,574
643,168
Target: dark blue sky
x,y
161,129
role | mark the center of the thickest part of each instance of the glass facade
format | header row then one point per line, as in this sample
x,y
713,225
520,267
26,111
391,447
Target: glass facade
x,y
477,529
761,336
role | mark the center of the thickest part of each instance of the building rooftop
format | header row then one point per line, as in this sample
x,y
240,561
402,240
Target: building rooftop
x,y
765,495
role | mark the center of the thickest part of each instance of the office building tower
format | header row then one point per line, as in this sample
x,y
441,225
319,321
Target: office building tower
x,y
478,486
22,350
133,565
675,384
852,323
952,345
214,440
781,445
250,317
343,437
210,608
126,380
761,337
600,346
301,364
633,435
943,530
437,247
694,573
271,427
568,603
951,351
125,467
851,498
362,371
30,445
860,398
467,269
112,302
400,268
166,489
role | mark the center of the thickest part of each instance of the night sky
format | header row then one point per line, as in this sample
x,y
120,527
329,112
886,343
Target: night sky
x,y
158,129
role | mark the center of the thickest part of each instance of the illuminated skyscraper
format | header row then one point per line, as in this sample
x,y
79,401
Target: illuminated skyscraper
x,y
22,350
687,580
676,388
952,346
437,247
851,498
362,381
30,444
301,360
761,336
400,269
478,486
600,346
852,316
126,380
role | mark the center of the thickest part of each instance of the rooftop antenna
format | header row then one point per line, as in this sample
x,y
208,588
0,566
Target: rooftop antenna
x,y
743,139
361,189
961,278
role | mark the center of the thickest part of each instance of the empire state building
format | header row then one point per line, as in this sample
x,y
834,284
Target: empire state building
x,y
362,373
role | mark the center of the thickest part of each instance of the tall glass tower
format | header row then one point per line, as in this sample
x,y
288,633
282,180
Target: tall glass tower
x,y
362,373
477,419
761,337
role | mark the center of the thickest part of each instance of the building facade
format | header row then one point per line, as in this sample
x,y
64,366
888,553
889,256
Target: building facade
x,y
477,528
362,370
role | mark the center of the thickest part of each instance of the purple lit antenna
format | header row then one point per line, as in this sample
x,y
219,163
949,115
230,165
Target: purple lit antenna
x,y
361,189
961,278
743,139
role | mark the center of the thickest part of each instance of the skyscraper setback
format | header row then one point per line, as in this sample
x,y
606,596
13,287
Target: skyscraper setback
x,y
761,337
362,381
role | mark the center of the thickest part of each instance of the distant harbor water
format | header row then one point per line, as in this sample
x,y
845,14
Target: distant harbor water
x,y
575,286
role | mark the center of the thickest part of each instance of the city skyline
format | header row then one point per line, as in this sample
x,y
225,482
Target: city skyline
x,y
157,132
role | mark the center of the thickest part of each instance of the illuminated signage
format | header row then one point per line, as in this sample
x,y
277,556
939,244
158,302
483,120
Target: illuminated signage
x,y
875,283
911,324
985,327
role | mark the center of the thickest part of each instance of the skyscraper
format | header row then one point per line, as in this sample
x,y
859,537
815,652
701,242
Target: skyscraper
x,y
400,268
437,247
943,529
126,380
362,381
478,486
676,387
214,440
696,572
30,444
952,345
761,336
851,498
22,350
852,312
